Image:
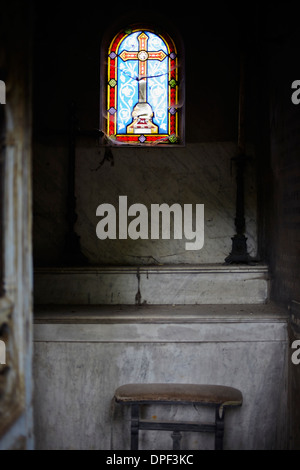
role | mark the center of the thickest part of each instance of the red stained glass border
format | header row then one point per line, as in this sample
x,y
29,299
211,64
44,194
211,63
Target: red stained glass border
x,y
135,138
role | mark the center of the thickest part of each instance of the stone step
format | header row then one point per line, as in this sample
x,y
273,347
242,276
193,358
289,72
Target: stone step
x,y
161,324
160,285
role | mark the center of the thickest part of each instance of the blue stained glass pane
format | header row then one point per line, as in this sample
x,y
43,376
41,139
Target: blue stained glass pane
x,y
128,84
130,43
158,83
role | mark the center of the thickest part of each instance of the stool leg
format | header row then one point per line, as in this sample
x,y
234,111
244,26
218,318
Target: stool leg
x,y
176,437
219,432
135,413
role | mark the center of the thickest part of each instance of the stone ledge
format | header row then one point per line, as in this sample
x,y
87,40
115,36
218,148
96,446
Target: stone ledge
x,y
184,284
241,313
155,269
160,324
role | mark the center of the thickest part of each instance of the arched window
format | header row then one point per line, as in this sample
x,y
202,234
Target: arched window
x,y
143,88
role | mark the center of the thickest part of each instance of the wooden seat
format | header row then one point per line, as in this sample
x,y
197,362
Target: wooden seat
x,y
218,396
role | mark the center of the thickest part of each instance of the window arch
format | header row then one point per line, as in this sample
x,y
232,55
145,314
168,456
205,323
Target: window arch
x,y
142,97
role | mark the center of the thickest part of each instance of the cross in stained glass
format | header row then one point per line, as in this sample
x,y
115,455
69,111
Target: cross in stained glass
x,y
142,113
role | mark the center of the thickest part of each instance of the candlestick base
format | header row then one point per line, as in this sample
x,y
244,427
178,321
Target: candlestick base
x,y
239,252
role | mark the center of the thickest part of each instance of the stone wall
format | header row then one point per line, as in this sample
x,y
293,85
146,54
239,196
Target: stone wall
x,y
283,240
83,353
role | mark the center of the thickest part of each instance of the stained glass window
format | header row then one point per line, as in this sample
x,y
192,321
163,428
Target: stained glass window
x,y
143,88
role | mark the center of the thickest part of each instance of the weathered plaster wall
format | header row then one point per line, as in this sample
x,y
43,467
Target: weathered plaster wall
x,y
196,174
283,174
285,168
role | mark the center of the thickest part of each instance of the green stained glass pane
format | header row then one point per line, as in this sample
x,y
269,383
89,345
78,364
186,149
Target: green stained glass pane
x,y
173,139
112,82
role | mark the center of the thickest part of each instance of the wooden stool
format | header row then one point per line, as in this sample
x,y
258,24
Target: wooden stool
x,y
219,396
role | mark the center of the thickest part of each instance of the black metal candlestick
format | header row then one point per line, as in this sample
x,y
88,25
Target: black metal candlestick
x,y
239,253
